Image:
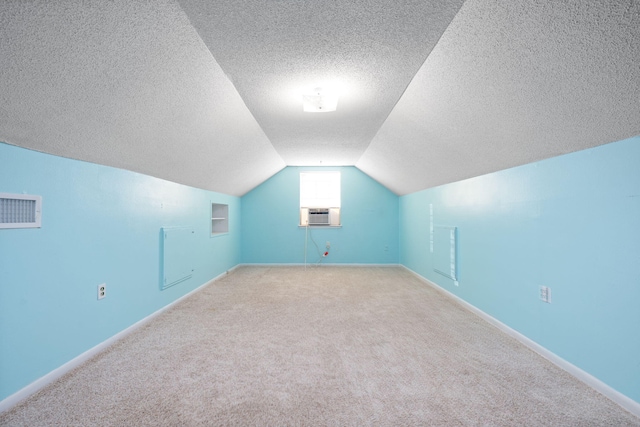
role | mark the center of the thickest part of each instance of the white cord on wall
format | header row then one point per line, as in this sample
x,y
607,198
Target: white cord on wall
x,y
308,234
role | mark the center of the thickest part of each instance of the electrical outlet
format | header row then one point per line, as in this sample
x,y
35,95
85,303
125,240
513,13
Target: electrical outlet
x,y
102,290
545,294
386,248
328,244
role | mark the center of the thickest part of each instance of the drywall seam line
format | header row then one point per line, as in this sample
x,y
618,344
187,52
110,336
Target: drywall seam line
x,y
22,394
614,395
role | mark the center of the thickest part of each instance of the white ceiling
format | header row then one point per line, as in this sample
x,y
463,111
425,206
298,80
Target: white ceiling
x,y
511,83
209,93
128,84
274,51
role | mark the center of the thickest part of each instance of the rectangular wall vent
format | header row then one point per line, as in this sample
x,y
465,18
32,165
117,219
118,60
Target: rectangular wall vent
x,y
20,211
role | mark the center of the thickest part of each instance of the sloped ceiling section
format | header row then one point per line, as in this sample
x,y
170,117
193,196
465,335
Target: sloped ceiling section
x,y
512,82
276,51
126,84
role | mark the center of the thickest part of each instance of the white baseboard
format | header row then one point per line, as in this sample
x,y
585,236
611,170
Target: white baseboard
x,y
604,389
10,401
313,264
355,264
269,264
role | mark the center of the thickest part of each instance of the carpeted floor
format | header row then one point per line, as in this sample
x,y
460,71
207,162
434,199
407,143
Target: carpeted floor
x,y
327,346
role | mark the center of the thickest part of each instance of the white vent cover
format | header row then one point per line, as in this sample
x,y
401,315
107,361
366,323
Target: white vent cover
x,y
20,210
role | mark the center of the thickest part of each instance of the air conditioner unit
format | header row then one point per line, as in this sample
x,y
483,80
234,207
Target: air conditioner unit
x,y
320,216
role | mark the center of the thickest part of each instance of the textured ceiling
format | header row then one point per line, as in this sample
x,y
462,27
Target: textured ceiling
x,y
512,82
127,84
275,50
208,93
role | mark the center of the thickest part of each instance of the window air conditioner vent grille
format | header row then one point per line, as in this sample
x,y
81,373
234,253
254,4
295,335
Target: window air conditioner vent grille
x,y
319,217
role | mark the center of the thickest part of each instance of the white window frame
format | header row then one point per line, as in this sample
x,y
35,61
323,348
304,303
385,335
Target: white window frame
x,y
320,190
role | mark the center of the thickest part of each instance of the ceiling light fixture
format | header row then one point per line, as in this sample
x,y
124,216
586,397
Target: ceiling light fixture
x,y
319,102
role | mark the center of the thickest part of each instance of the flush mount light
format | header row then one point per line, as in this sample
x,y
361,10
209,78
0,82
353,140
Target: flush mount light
x,y
319,102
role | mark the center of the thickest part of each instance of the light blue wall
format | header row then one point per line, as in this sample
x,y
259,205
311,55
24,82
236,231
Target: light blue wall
x,y
369,216
571,223
99,225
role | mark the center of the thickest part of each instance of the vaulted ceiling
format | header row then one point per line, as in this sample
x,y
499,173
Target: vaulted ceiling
x,y
209,93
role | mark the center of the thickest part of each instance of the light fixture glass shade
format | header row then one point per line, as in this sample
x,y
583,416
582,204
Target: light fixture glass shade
x,y
319,102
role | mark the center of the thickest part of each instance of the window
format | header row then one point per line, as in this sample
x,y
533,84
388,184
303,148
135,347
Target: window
x,y
320,199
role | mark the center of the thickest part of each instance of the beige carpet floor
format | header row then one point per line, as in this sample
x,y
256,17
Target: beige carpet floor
x,y
322,346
